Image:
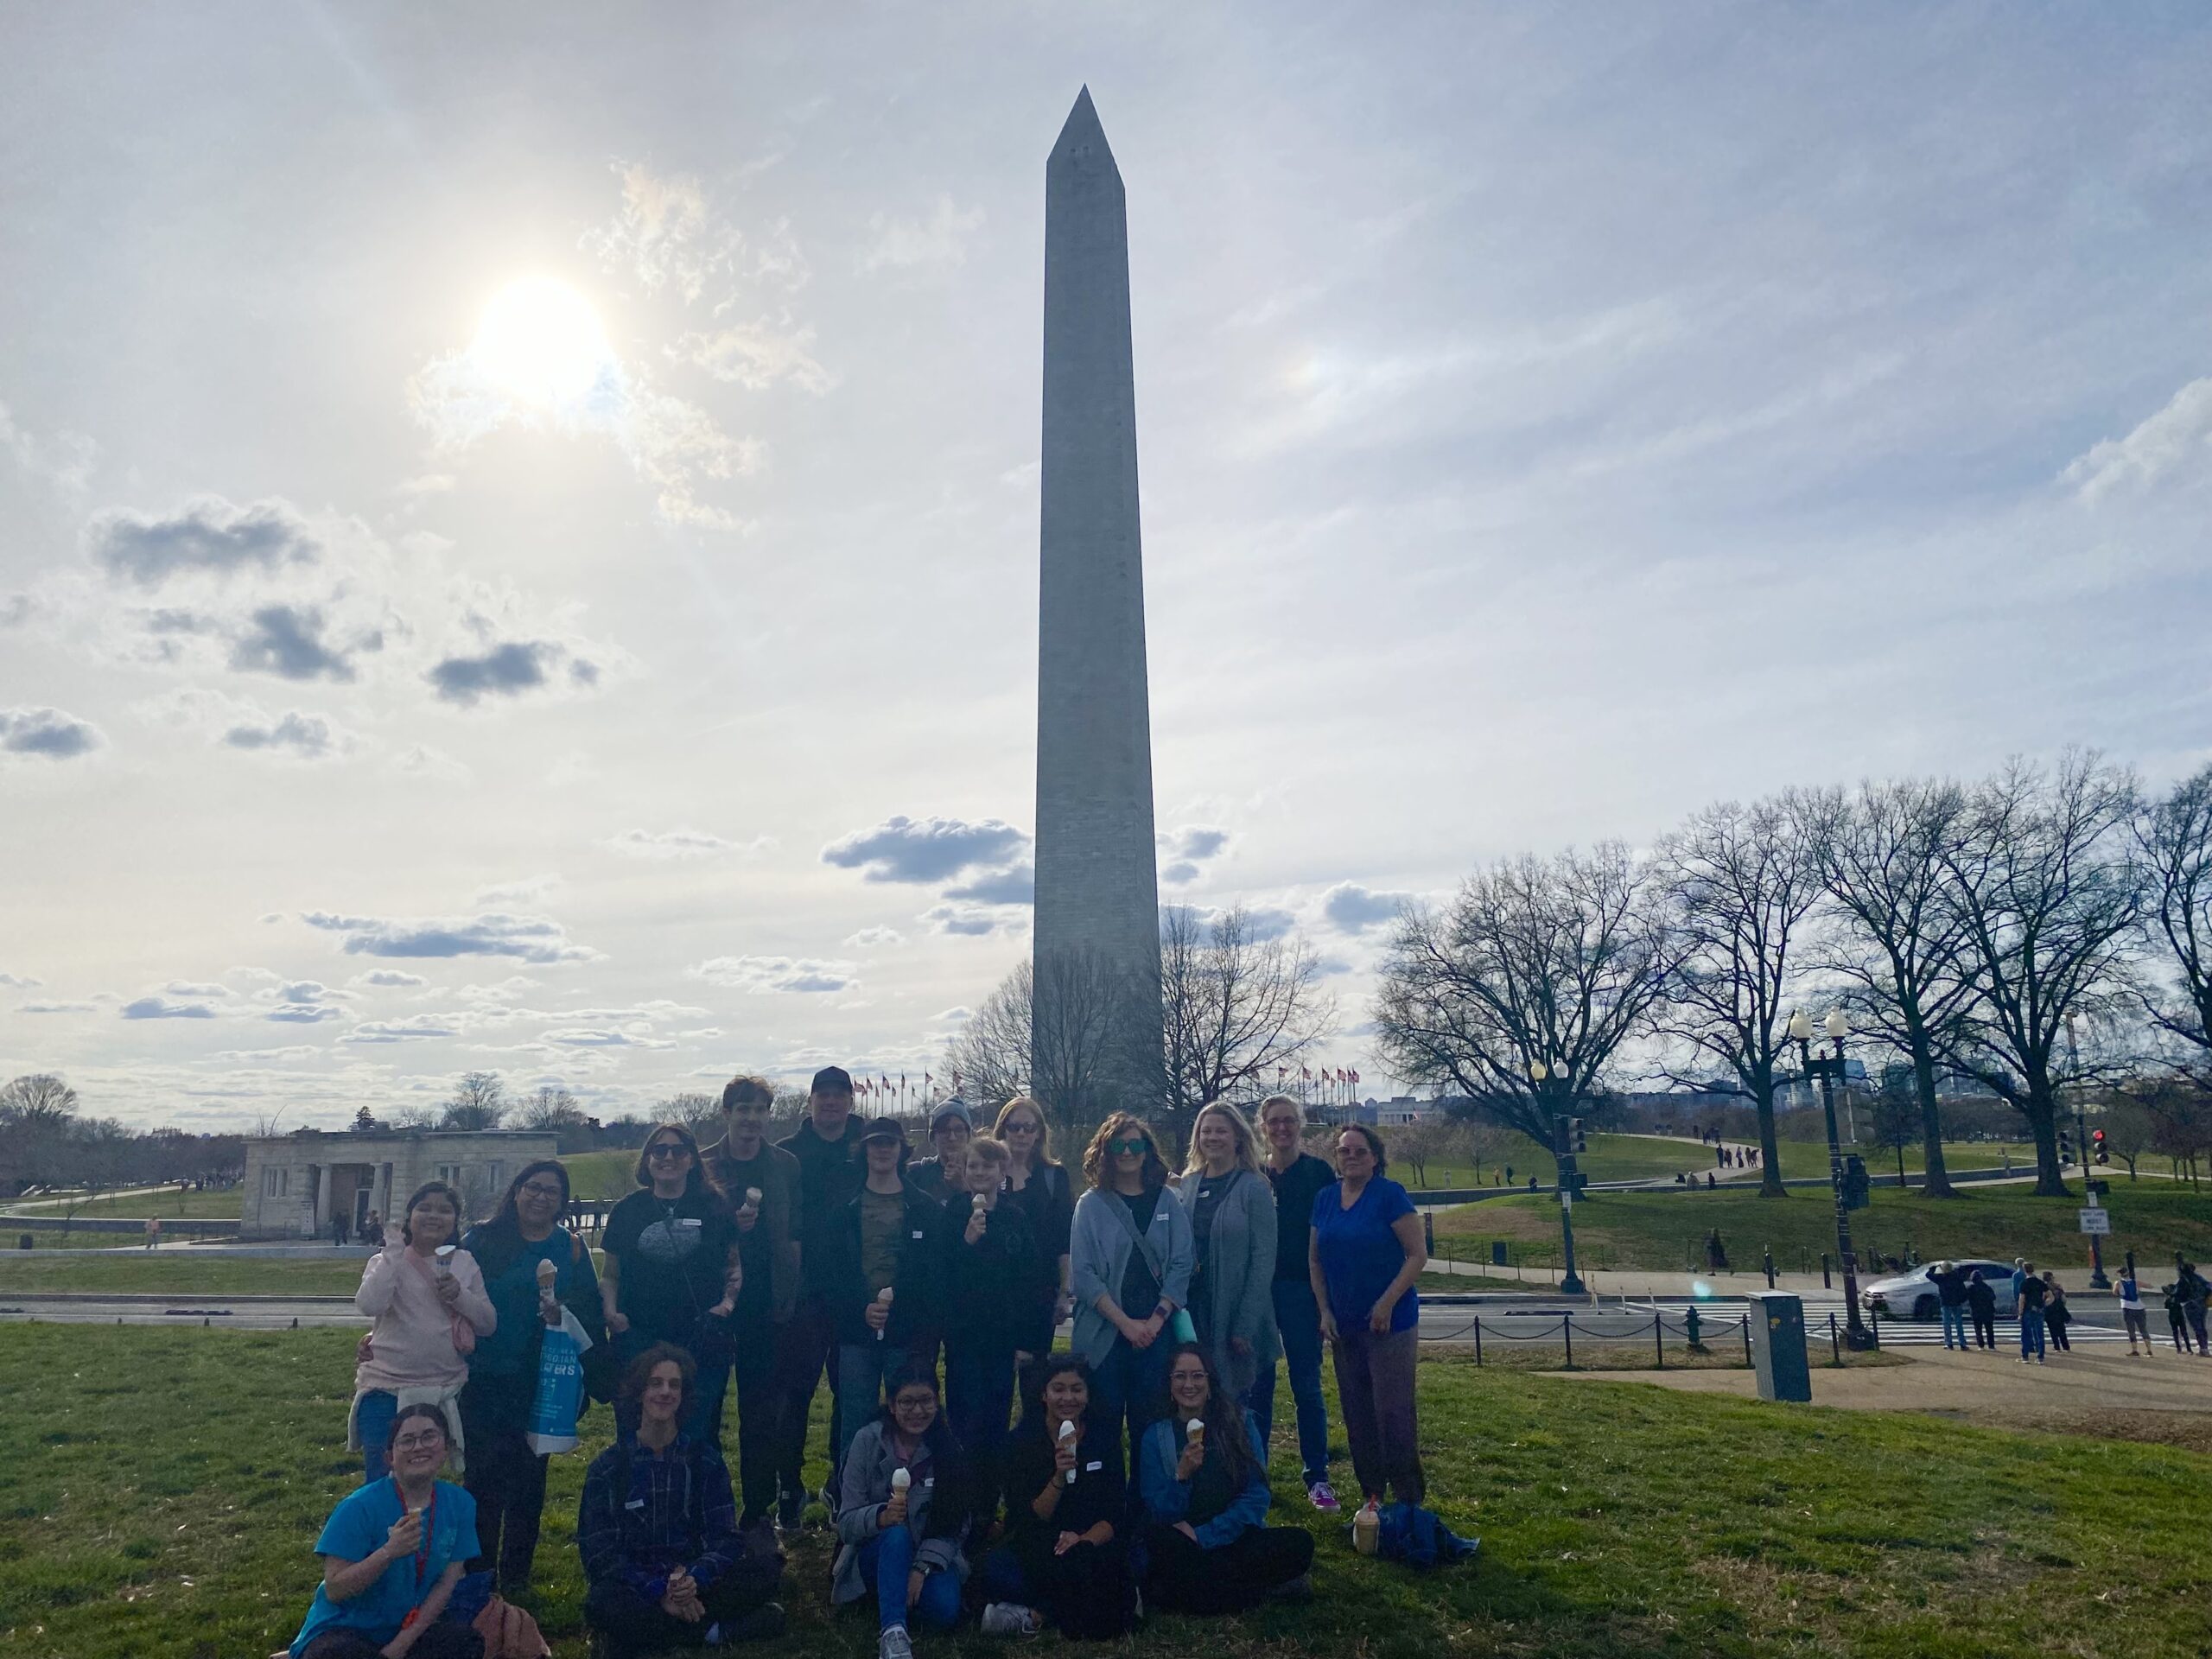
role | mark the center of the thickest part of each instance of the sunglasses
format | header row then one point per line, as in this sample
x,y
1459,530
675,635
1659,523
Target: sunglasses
x,y
1125,1147
1022,1127
668,1150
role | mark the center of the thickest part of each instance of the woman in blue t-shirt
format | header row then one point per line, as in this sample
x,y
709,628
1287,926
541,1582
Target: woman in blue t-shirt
x,y
392,1553
1366,1253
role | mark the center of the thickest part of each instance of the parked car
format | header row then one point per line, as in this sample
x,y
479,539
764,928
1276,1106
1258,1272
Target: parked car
x,y
1913,1295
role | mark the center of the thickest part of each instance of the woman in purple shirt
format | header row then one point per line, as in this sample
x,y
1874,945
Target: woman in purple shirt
x,y
1367,1252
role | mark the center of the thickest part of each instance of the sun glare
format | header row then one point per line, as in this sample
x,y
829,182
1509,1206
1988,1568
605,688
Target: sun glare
x,y
540,343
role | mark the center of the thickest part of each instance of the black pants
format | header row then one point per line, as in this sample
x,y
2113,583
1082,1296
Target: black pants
x,y
807,1344
755,1343
2057,1330
505,1478
1087,1592
634,1626
439,1642
1187,1578
1985,1329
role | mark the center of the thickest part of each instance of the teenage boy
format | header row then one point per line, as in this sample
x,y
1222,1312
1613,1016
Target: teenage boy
x,y
1298,1177
993,1273
761,1183
879,1272
945,1176
826,1147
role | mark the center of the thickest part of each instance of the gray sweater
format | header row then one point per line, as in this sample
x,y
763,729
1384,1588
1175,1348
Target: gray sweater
x,y
1099,1255
1239,1272
863,1488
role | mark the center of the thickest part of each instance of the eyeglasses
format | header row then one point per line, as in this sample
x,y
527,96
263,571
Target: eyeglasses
x,y
919,1402
1021,1126
667,1151
1125,1147
1187,1377
539,1190
418,1442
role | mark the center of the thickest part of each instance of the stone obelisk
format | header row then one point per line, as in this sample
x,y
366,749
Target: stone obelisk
x,y
1098,882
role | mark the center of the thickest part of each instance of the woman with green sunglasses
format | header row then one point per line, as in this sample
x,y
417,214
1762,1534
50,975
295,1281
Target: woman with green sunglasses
x,y
1130,1253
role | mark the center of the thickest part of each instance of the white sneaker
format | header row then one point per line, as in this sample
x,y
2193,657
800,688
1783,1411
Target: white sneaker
x,y
1011,1619
895,1644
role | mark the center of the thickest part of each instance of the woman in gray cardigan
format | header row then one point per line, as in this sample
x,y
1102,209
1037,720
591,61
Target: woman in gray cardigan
x,y
1232,1212
1129,1257
902,1538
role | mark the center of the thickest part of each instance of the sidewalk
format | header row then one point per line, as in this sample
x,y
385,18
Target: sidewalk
x,y
1635,1282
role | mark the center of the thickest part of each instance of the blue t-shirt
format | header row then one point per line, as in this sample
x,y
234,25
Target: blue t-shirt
x,y
357,1529
1360,1256
514,1298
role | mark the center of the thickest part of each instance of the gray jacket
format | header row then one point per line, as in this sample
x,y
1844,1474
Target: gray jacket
x,y
863,1488
1099,1255
1239,1273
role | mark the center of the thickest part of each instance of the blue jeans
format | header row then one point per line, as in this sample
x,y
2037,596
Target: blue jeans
x,y
1954,1320
1130,1386
886,1559
1298,1318
862,1369
2031,1333
373,1418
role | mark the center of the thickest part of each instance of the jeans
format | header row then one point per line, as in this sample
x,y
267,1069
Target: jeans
x,y
1298,1318
1129,1385
2031,1333
862,1369
1954,1320
1375,1382
886,1559
2194,1312
372,1417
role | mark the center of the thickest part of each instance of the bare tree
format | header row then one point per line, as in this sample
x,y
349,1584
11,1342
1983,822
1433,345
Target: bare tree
x,y
2128,1127
2047,899
37,1112
551,1107
37,1100
1082,1062
1232,1008
1558,960
2173,843
1744,886
478,1101
1893,1120
1896,945
2181,1123
989,1057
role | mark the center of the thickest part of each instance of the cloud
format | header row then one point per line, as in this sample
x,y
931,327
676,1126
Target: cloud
x,y
1017,886
1262,923
524,937
756,355
189,988
423,761
55,1008
1350,908
875,938
206,533
304,1014
526,890
679,843
606,1039
940,239
930,850
66,459
510,670
760,976
287,641
20,981
1196,841
307,737
665,234
381,1031
48,733
235,722
305,990
387,979
1179,874
155,1008
965,920
2175,440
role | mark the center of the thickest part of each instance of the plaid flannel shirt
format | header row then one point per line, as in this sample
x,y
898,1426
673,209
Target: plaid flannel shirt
x,y
674,1511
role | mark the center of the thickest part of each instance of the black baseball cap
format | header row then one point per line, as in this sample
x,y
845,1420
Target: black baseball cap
x,y
885,1128
831,1080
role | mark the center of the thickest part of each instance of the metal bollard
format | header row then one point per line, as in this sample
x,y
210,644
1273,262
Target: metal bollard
x,y
1766,1258
1827,1283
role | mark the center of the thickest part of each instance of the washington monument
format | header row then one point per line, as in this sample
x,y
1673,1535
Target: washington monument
x,y
1097,885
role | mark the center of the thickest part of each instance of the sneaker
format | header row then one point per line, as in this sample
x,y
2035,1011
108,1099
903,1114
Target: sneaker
x,y
787,1511
1298,1589
1011,1619
1321,1495
895,1644
764,1624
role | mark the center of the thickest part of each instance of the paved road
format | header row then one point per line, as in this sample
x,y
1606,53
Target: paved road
x,y
231,1313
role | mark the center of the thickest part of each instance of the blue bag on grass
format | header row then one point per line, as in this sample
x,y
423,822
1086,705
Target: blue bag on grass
x,y
1419,1538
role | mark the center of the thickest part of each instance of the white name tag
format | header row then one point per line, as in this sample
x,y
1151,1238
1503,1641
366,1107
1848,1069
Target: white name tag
x,y
692,1222
635,1503
918,1235
1095,1462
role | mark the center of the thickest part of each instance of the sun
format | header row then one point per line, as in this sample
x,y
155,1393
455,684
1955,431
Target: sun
x,y
540,344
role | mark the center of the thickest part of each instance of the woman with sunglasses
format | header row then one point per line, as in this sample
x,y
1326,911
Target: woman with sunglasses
x,y
1367,1252
1131,1255
1040,1189
1064,1558
672,1273
428,1311
533,1272
1202,1475
903,1539
392,1553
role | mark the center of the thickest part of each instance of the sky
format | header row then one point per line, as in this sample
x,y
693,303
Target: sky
x,y
518,525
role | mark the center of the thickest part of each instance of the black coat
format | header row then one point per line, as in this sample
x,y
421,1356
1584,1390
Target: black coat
x,y
990,1287
916,1283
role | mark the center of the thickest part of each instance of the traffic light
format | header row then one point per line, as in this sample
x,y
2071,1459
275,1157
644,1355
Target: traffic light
x,y
2065,1147
1576,1140
1856,1187
2097,1142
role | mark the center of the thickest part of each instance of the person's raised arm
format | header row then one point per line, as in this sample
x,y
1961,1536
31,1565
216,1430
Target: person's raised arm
x,y
379,1282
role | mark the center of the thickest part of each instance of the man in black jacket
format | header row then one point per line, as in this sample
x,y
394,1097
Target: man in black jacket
x,y
878,1275
827,1146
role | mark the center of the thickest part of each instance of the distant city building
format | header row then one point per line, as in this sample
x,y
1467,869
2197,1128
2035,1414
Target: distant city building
x,y
298,1184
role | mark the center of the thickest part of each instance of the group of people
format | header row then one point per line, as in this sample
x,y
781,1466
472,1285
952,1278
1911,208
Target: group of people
x,y
2038,1301
929,1292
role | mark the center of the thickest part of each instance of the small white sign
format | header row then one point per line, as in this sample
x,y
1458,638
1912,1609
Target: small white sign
x,y
2095,1219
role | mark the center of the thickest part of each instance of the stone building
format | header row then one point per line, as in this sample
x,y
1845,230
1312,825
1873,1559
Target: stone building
x,y
297,1183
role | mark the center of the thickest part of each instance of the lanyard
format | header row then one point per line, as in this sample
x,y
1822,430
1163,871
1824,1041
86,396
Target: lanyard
x,y
422,1546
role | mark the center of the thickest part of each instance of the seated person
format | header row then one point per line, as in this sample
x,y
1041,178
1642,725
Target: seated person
x,y
1066,1494
902,1539
392,1553
658,1530
1205,1502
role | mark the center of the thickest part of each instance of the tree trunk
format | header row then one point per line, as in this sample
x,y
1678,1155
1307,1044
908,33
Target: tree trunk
x,y
1770,1185
2043,1118
1937,1183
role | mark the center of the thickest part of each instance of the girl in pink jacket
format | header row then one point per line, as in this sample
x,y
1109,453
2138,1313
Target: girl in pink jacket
x,y
427,1299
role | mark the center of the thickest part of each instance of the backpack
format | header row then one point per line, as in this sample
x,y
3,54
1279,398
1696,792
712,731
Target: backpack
x,y
1419,1538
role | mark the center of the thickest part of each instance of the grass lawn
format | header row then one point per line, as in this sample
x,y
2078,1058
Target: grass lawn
x,y
171,1272
602,1174
1611,1158
1665,1230
187,1206
162,1490
1810,1158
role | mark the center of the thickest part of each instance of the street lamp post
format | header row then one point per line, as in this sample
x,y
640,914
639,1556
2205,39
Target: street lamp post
x,y
1551,1085
1830,1071
2090,1193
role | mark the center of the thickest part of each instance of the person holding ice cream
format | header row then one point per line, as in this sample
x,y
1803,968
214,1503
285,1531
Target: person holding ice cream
x,y
880,1274
429,1310
905,1504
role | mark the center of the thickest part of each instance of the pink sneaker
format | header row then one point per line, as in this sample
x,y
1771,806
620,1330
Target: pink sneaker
x,y
1319,1495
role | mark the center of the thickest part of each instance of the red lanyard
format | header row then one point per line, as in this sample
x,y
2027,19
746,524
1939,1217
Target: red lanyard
x,y
422,1547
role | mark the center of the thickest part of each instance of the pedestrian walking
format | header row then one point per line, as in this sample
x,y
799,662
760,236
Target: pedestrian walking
x,y
340,1229
1981,1305
2175,1318
1716,1253
2130,1292
2056,1314
2196,1295
153,1232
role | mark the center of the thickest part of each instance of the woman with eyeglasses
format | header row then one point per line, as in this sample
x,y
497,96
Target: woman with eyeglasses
x,y
392,1553
1064,1558
1203,1479
1233,1242
672,1271
903,1539
1045,1197
533,1271
1367,1252
428,1311
1131,1254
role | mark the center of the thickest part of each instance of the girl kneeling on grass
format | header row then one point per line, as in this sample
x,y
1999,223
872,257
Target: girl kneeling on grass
x,y
901,1538
392,1553
1203,1473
